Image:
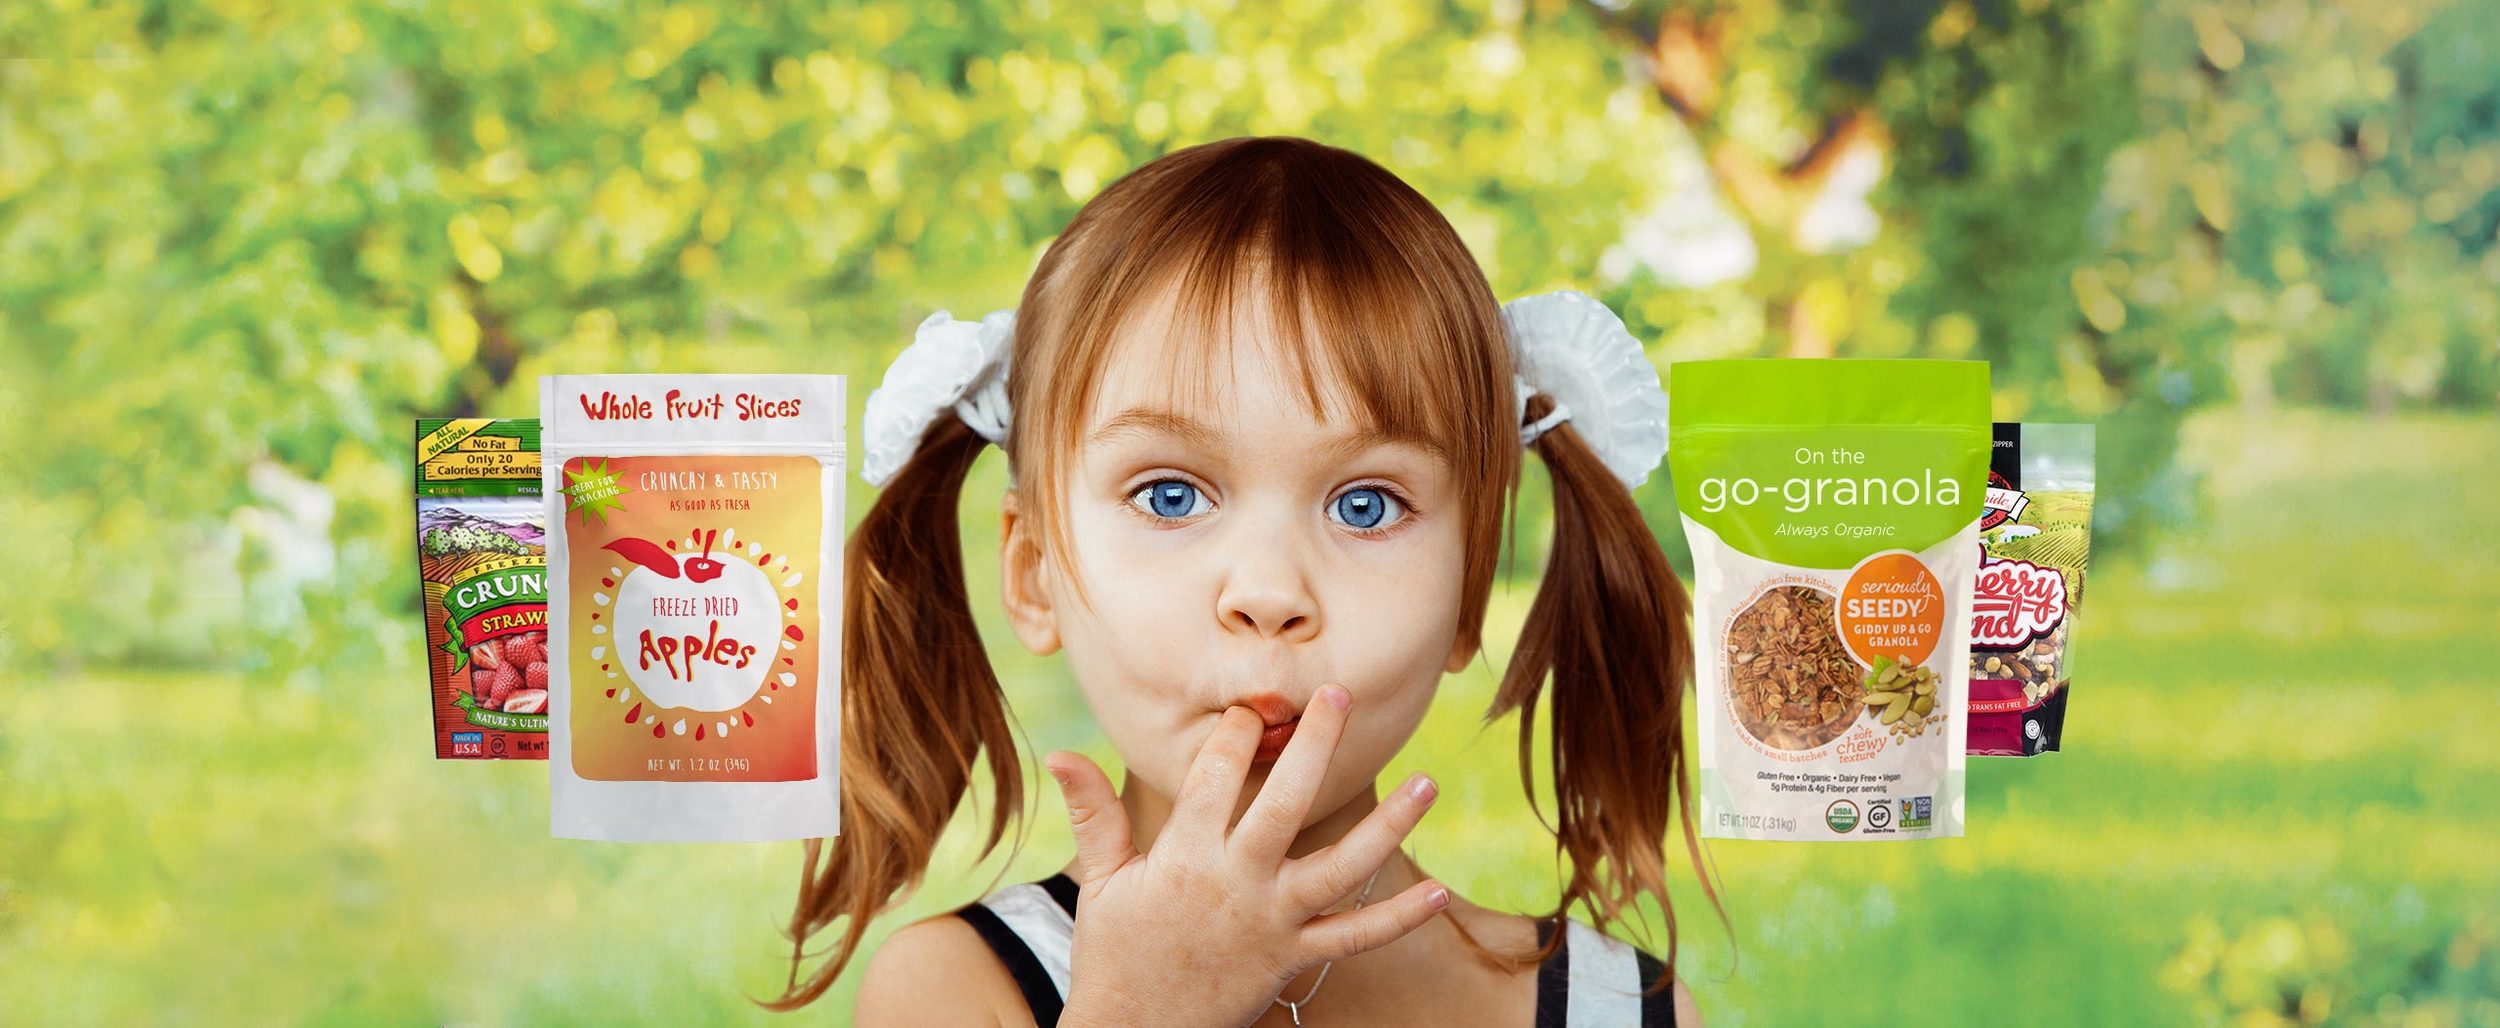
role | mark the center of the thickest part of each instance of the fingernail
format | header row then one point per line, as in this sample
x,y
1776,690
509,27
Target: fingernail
x,y
1336,696
1423,788
1060,776
1438,898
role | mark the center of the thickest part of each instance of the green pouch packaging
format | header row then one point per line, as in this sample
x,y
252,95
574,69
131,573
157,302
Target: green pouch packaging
x,y
1833,511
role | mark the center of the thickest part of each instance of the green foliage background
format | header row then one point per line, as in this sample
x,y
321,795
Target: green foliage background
x,y
243,246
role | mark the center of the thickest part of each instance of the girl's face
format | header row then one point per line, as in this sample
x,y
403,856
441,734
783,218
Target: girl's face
x,y
1240,550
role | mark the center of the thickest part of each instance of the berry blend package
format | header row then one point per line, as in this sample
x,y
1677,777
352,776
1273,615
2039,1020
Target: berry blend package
x,y
2035,539
482,567
694,563
1833,511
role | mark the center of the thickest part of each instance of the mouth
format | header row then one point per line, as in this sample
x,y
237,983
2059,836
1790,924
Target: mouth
x,y
1281,717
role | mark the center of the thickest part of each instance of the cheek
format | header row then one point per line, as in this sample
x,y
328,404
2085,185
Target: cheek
x,y
1130,651
1398,604
1394,631
1142,599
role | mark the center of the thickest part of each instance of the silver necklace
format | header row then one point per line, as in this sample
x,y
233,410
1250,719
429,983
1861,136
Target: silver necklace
x,y
1294,1006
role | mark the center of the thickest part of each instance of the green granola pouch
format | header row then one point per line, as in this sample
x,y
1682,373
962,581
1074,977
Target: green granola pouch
x,y
1833,511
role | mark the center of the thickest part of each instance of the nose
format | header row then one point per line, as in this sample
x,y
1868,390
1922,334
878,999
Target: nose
x,y
1268,594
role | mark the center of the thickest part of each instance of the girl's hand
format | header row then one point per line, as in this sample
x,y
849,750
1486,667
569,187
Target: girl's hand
x,y
1212,924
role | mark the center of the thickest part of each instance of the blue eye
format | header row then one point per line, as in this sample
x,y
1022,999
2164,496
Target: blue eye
x,y
1364,508
1170,498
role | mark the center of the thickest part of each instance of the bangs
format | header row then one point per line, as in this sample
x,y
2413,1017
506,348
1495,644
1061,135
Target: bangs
x,y
1344,336
1372,302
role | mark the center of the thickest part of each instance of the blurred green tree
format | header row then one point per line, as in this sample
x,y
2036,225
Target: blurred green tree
x,y
245,246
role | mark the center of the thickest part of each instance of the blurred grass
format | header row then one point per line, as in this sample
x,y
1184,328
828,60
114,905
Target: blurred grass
x,y
2285,711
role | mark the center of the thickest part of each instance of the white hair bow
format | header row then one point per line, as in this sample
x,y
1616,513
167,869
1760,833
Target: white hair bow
x,y
950,365
1567,345
1572,347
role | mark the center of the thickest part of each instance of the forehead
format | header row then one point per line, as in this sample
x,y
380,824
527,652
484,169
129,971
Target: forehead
x,y
1243,381
1204,362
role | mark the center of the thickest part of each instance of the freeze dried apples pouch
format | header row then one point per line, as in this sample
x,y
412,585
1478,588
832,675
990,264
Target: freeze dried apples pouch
x,y
694,561
2035,539
1833,511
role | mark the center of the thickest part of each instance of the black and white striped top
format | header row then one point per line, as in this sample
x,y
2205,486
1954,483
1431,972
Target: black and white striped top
x,y
1592,979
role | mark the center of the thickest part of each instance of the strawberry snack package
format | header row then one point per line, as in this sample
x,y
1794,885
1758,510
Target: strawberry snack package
x,y
482,575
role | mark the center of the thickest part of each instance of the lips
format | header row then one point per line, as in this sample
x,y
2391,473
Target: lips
x,y
1281,716
1272,742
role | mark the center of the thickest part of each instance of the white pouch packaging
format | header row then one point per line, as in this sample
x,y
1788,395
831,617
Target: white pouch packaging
x,y
694,589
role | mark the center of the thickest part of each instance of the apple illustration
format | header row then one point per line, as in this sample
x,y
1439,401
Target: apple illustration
x,y
698,643
704,568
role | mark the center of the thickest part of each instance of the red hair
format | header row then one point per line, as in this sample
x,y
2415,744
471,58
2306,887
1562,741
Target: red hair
x,y
1382,286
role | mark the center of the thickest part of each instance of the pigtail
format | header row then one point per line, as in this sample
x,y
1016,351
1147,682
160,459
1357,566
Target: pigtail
x,y
1610,622
919,704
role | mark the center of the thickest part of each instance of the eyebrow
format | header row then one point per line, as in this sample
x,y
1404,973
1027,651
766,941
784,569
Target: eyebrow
x,y
1148,420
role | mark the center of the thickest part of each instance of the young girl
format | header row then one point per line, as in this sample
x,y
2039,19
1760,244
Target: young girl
x,y
1261,412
